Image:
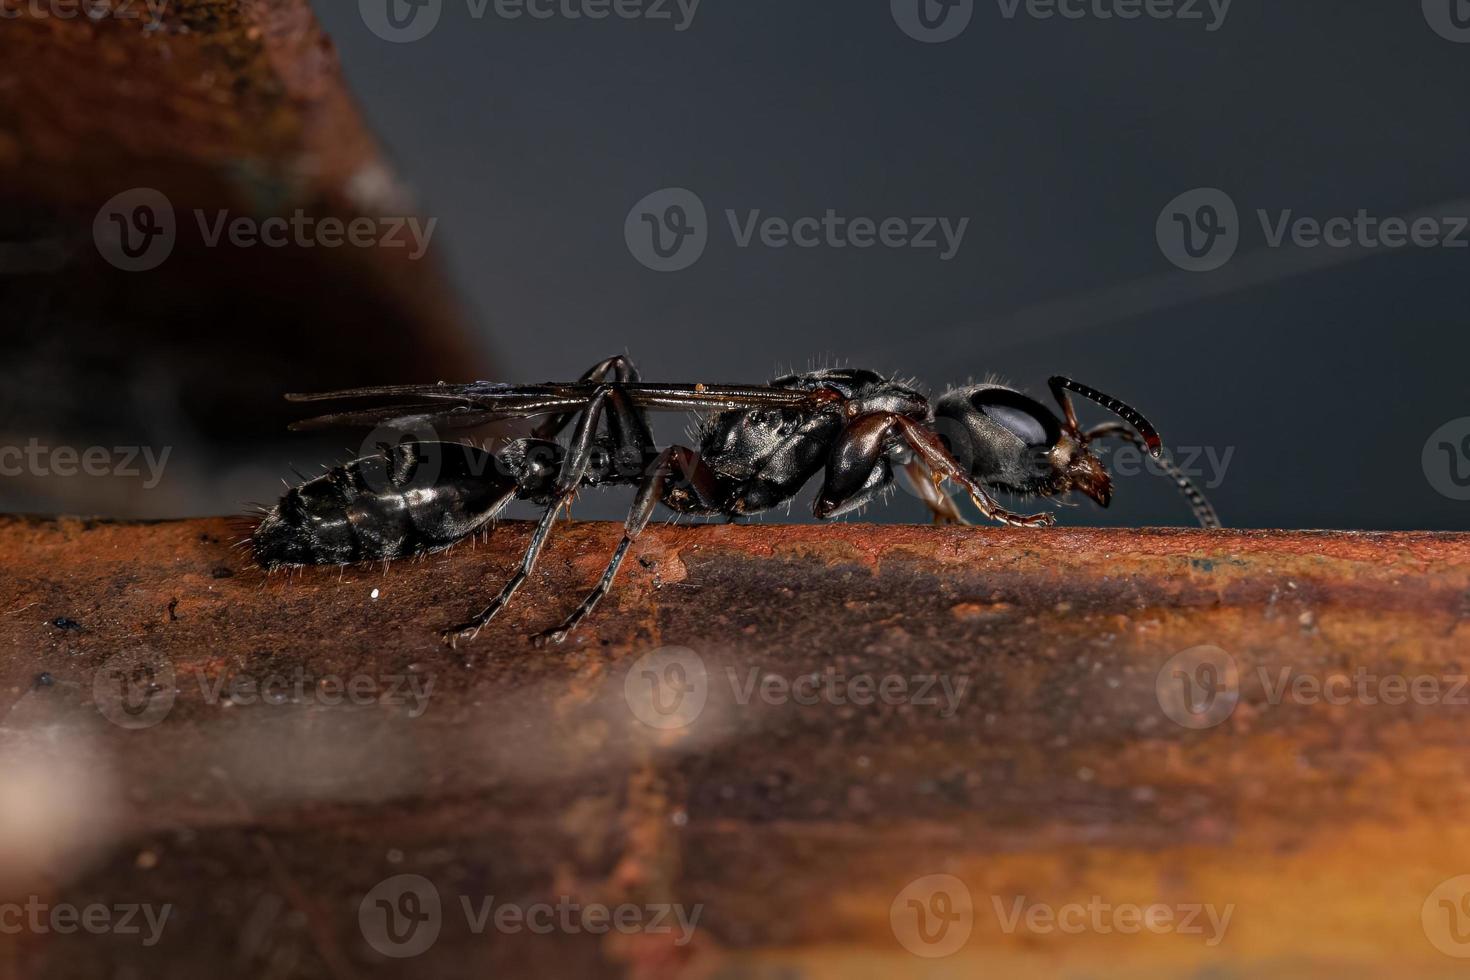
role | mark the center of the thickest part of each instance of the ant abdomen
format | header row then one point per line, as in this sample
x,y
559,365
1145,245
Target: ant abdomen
x,y
407,499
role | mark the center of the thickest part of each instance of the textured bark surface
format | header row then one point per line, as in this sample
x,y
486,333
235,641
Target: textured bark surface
x,y
1053,773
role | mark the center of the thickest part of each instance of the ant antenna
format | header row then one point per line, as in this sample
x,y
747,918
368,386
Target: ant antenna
x,y
1204,511
1126,412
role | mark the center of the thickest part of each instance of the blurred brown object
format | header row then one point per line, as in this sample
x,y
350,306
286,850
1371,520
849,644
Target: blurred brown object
x,y
113,112
1074,722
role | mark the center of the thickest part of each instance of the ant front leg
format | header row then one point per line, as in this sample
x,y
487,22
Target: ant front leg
x,y
931,450
859,452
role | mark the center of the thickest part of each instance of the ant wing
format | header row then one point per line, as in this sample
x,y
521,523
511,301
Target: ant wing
x,y
462,406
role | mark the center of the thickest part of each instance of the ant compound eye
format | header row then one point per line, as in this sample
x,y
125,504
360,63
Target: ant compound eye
x,y
1027,420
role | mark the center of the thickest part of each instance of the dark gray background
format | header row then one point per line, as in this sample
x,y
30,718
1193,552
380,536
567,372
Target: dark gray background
x,y
1325,372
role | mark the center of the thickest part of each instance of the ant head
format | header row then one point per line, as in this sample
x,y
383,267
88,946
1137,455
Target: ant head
x,y
1014,443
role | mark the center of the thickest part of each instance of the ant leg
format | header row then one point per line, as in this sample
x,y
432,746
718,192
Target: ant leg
x,y
650,492
860,448
942,464
927,486
471,628
573,468
1204,511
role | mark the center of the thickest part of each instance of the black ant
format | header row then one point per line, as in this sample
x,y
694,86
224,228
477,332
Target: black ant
x,y
852,427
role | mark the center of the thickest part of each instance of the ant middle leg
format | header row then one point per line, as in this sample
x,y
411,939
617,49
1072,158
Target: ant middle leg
x,y
929,490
